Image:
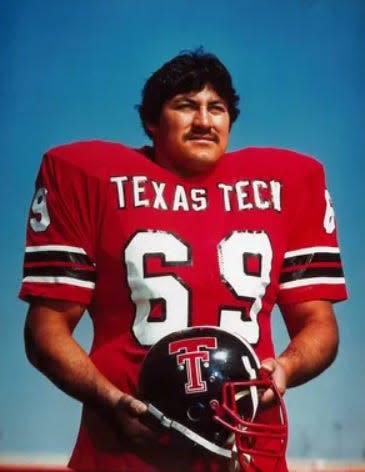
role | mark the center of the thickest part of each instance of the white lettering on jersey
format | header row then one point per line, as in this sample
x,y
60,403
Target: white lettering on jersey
x,y
159,202
119,181
140,191
275,188
241,192
251,194
180,199
198,196
226,192
257,187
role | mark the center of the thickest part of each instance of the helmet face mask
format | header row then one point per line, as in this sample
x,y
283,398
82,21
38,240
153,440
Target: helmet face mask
x,y
252,437
205,383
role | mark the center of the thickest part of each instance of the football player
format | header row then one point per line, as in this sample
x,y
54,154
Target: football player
x,y
180,234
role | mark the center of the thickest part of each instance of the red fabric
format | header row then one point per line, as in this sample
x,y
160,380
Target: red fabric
x,y
150,252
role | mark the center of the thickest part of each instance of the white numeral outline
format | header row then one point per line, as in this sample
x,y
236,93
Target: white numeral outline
x,y
329,222
168,287
231,252
39,207
245,285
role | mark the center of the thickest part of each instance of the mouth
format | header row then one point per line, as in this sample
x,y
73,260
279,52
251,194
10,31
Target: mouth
x,y
202,138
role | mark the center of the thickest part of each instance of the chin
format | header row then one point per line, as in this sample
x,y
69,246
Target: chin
x,y
201,163
208,158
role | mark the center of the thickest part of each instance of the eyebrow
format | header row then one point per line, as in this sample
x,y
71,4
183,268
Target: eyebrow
x,y
185,97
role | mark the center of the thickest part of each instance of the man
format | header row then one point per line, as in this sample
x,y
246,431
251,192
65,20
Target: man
x,y
181,234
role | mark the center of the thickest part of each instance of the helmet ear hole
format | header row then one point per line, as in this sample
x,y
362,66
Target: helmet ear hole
x,y
196,412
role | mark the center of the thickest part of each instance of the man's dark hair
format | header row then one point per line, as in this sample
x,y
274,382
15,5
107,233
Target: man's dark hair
x,y
187,72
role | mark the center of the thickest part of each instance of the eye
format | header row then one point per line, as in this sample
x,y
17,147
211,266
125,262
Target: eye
x,y
185,105
218,107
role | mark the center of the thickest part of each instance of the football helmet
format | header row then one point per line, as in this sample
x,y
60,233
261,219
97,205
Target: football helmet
x,y
205,383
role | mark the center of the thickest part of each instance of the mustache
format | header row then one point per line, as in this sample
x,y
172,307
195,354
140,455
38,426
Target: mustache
x,y
191,135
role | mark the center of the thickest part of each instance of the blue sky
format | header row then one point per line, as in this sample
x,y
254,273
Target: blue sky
x,y
74,70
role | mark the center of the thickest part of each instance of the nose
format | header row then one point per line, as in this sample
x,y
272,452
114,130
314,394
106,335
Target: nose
x,y
202,118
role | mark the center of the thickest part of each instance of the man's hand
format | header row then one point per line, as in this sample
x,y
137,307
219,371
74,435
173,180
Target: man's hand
x,y
128,413
277,373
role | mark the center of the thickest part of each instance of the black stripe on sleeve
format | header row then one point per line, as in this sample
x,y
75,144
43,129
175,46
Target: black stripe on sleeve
x,y
307,259
306,273
58,256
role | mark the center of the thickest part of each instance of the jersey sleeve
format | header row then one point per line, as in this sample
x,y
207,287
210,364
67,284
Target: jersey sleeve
x,y
312,268
59,261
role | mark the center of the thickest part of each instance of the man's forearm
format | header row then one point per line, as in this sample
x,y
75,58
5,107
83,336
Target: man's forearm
x,y
314,342
68,366
52,349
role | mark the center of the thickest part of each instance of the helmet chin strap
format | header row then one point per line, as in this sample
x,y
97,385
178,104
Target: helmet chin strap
x,y
237,462
196,438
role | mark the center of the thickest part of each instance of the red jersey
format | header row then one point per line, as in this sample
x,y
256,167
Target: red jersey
x,y
150,252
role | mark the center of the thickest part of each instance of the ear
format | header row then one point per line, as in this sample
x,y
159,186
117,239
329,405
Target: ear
x,y
151,130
